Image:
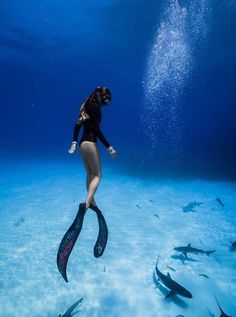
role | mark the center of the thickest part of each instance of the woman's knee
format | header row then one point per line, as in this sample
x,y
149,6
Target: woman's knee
x,y
98,175
90,175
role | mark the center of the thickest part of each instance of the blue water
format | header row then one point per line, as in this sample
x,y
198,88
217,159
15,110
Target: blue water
x,y
171,66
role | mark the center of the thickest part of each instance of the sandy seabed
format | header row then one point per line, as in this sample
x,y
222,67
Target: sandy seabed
x,y
145,218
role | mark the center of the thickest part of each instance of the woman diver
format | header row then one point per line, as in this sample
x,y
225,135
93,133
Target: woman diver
x,y
90,118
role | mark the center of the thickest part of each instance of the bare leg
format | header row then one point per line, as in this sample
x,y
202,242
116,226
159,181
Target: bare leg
x,y
89,178
90,154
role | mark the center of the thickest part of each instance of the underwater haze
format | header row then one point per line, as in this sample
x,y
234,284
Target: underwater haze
x,y
170,65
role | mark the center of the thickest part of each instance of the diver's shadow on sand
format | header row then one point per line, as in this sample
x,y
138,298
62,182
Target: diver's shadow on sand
x,y
175,299
183,258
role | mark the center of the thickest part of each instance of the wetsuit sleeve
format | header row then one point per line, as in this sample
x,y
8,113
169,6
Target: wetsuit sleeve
x,y
76,131
101,136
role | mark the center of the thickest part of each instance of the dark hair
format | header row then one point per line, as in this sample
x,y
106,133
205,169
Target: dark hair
x,y
96,111
104,90
96,107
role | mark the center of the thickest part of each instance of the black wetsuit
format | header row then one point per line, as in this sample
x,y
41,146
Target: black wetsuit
x,y
91,126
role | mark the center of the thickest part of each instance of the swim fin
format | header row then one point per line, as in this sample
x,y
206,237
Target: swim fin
x,y
69,240
101,242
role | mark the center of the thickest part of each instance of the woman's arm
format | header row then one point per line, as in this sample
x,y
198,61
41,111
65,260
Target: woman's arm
x,y
105,142
101,136
76,131
75,136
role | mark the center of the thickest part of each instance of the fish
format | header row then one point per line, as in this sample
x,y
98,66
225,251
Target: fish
x,y
171,268
233,245
189,249
19,221
156,215
69,311
204,275
174,287
151,201
138,206
220,202
222,313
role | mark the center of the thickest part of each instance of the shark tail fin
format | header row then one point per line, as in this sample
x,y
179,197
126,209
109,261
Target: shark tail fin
x,y
210,252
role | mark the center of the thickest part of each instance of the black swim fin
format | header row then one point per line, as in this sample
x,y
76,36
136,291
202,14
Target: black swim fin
x,y
101,242
69,240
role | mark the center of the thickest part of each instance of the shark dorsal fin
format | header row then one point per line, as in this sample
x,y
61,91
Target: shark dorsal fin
x,y
189,245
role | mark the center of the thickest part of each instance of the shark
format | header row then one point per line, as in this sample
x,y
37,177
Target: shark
x,y
189,249
220,202
69,311
190,206
233,245
174,287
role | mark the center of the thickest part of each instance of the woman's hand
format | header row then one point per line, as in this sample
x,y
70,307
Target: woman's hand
x,y
112,151
72,147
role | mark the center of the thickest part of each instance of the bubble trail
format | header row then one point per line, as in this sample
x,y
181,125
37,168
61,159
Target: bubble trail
x,y
169,67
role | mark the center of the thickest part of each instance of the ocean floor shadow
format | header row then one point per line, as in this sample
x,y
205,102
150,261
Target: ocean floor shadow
x,y
183,258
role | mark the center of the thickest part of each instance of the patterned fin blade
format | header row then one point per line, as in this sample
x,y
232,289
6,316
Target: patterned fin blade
x,y
65,249
101,242
67,243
